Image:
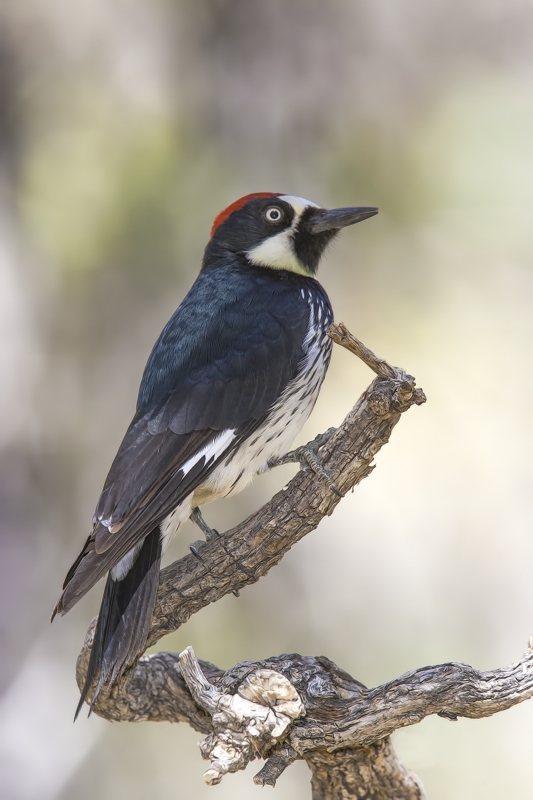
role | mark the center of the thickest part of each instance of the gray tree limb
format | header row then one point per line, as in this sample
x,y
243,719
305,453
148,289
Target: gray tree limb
x,y
289,707
343,729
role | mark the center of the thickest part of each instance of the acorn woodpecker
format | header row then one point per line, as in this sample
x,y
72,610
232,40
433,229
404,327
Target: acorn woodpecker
x,y
228,386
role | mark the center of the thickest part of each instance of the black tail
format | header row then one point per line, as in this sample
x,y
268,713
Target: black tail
x,y
124,619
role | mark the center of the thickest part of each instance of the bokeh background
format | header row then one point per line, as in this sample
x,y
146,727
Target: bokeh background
x,y
125,126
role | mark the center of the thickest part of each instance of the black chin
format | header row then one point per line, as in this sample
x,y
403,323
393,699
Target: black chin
x,y
310,247
319,226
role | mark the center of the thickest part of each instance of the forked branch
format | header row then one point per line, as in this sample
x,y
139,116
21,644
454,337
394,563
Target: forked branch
x,y
290,707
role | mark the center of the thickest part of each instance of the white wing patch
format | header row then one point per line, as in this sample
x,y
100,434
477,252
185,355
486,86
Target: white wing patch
x,y
180,514
211,451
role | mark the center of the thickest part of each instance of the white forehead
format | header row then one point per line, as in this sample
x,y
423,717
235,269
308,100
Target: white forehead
x,y
298,203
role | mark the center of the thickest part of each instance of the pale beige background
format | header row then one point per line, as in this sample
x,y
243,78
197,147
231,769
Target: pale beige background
x,y
125,127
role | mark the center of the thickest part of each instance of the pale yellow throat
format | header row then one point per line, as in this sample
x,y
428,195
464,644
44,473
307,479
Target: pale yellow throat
x,y
277,252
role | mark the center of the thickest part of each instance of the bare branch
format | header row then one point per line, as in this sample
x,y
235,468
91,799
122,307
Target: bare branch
x,y
291,707
343,729
247,552
341,335
449,690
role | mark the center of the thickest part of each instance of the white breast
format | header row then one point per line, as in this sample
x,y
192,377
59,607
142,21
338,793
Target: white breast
x,y
286,418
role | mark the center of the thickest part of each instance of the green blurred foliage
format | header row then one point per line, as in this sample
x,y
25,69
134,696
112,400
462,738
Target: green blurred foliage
x,y
94,176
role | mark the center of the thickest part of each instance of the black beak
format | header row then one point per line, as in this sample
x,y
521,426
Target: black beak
x,y
323,219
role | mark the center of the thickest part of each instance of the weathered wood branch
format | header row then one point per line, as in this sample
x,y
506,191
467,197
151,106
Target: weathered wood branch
x,y
292,706
341,730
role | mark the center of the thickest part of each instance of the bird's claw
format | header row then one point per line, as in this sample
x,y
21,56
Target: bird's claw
x,y
307,457
310,461
194,548
209,533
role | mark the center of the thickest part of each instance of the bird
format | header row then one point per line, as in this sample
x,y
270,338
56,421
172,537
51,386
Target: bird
x,y
228,386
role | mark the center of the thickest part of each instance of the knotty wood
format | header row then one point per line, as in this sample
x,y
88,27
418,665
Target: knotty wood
x,y
344,735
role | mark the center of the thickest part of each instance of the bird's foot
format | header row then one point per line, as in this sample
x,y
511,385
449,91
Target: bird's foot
x,y
307,457
209,533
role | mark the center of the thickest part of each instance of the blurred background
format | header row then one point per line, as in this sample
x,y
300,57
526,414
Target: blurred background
x,y
125,126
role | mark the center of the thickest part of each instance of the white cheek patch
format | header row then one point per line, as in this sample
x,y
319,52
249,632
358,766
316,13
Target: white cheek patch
x,y
277,251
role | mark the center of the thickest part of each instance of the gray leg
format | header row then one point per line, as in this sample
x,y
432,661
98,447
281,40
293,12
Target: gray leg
x,y
197,518
307,457
208,532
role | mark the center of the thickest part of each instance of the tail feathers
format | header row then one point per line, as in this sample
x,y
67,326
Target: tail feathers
x,y
124,620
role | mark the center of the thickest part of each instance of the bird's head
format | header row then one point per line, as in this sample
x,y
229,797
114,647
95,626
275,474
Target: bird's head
x,y
280,231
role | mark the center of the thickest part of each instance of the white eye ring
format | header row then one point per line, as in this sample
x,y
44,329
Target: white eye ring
x,y
273,214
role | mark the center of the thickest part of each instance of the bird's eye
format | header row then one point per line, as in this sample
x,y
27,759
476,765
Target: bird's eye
x,y
273,214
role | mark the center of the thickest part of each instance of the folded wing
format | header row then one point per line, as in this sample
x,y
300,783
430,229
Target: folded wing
x,y
208,384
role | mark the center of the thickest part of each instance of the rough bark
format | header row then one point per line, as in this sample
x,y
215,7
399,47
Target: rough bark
x,y
368,773
343,729
295,707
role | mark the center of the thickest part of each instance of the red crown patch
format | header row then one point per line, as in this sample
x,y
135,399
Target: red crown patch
x,y
222,217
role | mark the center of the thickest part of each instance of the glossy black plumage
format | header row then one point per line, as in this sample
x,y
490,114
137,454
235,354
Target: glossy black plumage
x,y
227,352
228,385
124,618
219,369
